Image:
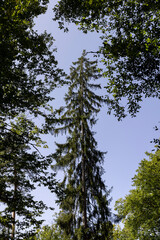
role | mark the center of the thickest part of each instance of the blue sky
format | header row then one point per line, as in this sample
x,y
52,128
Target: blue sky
x,y
126,142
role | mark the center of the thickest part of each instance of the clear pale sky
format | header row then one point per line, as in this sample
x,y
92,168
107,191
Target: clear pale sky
x,y
126,142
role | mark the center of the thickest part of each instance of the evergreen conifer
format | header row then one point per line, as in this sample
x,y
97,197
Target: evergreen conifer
x,y
82,195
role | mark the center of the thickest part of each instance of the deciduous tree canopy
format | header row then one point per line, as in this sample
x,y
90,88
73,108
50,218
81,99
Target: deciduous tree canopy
x,y
28,74
28,69
87,14
140,208
130,48
22,168
131,52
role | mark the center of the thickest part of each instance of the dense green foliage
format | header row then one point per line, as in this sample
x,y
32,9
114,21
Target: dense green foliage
x,y
122,233
140,208
82,195
87,14
130,46
51,233
28,74
131,54
22,169
28,70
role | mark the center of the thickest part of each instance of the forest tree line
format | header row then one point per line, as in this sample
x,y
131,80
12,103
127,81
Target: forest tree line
x,y
29,73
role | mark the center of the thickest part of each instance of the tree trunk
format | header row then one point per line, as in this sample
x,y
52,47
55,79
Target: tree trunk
x,y
14,211
84,209
13,224
83,183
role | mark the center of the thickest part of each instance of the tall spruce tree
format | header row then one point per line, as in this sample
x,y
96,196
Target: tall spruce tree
x,y
82,195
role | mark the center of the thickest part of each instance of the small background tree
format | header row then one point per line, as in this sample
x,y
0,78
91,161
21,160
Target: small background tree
x,y
22,169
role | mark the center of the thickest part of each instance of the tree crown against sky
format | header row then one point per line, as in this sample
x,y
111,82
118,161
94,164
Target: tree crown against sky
x,y
28,74
140,208
82,195
21,88
28,69
87,14
129,50
131,55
